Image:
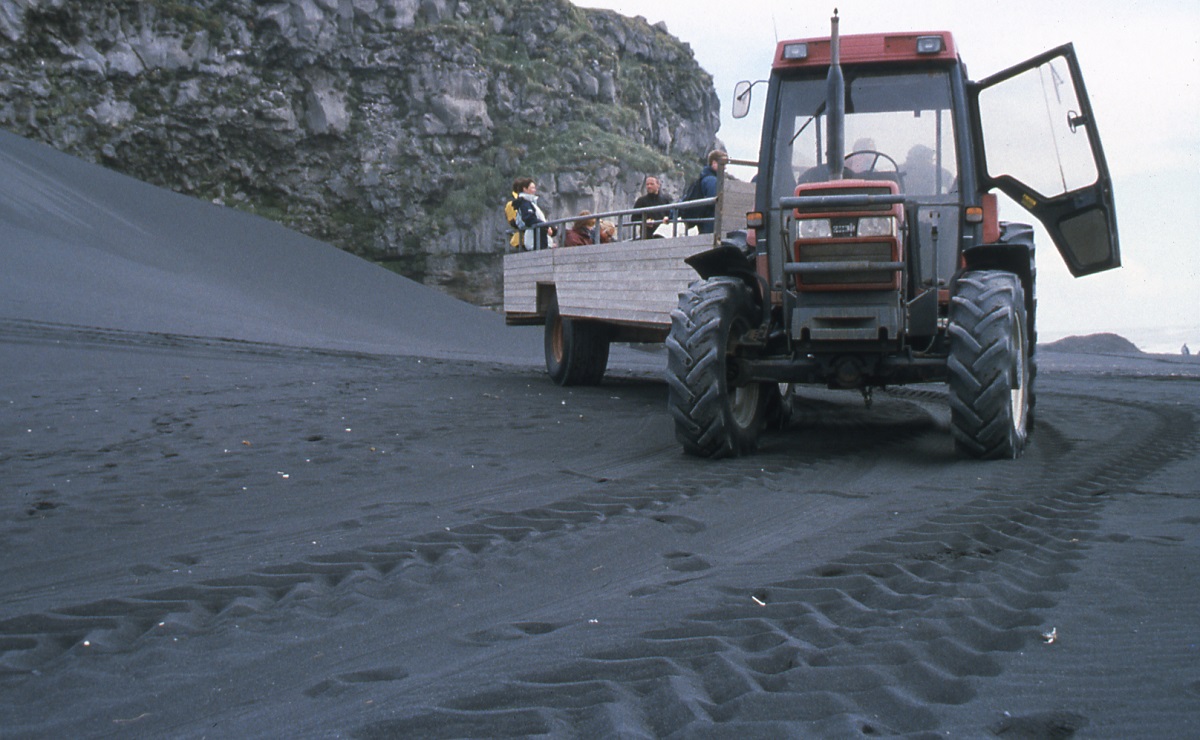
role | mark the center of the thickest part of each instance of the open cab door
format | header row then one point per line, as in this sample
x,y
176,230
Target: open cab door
x,y
1039,146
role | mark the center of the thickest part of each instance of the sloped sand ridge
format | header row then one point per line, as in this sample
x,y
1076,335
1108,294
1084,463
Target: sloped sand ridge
x,y
215,534
86,246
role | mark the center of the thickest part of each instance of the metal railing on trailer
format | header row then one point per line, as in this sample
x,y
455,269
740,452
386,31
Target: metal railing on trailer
x,y
627,223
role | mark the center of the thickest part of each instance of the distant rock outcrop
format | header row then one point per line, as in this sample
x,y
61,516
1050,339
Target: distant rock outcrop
x,y
392,128
1094,344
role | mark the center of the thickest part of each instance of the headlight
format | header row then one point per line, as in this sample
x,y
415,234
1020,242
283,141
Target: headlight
x,y
929,44
795,51
815,228
877,226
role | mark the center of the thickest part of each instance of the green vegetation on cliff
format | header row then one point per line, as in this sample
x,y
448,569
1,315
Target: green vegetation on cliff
x,y
392,129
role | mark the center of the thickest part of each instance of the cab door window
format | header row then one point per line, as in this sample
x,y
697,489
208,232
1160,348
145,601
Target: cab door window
x,y
1040,146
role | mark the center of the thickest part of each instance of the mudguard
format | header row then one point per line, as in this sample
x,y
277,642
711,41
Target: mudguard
x,y
1012,252
733,257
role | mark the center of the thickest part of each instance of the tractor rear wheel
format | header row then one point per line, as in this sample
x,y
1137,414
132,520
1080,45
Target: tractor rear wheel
x,y
713,416
990,372
576,351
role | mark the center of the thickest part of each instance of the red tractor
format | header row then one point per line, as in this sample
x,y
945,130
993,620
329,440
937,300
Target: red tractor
x,y
884,263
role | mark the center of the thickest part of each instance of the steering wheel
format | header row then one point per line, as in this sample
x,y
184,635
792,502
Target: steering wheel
x,y
875,157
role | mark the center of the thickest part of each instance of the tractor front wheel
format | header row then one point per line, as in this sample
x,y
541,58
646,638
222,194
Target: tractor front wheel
x,y
990,370
714,416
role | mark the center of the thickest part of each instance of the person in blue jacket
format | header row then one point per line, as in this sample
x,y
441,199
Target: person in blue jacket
x,y
709,180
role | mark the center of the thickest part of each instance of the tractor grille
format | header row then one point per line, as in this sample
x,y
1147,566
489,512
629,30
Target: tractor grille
x,y
846,251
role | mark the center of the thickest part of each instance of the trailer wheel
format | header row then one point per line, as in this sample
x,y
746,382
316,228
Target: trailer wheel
x,y
713,417
576,351
990,374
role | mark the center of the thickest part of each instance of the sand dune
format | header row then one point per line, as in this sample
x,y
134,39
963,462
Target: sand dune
x,y
83,245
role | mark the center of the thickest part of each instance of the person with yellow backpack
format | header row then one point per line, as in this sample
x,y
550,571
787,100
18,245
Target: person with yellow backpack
x,y
510,215
524,216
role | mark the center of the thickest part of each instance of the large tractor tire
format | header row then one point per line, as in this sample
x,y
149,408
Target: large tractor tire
x,y
576,351
713,418
990,372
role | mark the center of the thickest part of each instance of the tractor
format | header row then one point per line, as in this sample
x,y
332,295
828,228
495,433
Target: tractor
x,y
884,262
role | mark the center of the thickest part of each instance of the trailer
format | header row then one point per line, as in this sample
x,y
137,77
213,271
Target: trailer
x,y
592,295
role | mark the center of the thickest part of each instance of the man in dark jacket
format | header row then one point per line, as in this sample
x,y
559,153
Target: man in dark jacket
x,y
652,197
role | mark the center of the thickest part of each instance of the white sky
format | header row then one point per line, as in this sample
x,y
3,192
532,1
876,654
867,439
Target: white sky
x,y
1141,65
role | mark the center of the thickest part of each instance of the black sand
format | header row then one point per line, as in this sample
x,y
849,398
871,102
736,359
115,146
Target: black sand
x,y
251,486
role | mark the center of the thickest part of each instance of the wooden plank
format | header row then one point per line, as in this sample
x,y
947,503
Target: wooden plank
x,y
636,281
617,280
643,262
658,316
642,281
575,293
615,300
735,200
650,304
522,272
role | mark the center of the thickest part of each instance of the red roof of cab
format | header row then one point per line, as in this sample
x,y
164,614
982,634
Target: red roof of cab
x,y
867,47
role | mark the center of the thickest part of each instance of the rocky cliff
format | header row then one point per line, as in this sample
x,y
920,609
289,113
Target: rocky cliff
x,y
392,128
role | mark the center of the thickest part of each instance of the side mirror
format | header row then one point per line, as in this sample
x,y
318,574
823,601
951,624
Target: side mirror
x,y
741,98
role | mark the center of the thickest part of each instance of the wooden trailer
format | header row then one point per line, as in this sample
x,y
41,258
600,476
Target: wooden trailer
x,y
632,285
623,291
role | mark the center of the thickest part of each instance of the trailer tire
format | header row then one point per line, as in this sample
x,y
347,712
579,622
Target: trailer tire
x,y
576,351
712,418
990,372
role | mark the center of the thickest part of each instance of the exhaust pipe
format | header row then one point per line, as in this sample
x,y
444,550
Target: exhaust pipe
x,y
835,106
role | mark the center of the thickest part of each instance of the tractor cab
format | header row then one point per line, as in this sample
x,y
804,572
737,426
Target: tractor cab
x,y
904,158
906,114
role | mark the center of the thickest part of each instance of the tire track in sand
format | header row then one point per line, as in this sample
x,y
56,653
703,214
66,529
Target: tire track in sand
x,y
630,485
866,644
